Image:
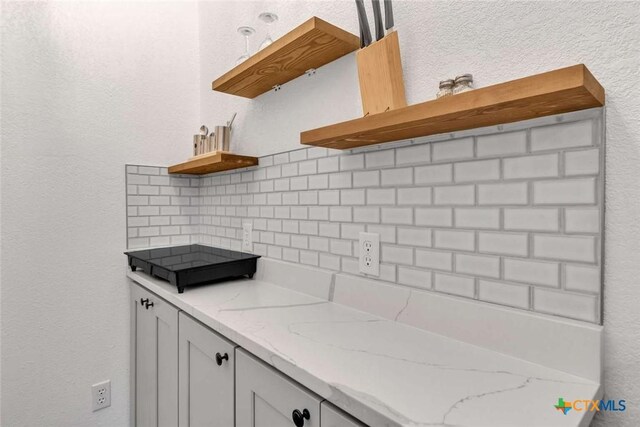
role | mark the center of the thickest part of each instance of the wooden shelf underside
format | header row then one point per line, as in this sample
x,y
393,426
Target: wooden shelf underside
x,y
213,162
310,45
555,92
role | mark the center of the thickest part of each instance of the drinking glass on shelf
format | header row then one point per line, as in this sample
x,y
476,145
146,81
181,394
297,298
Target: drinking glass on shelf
x,y
246,32
268,18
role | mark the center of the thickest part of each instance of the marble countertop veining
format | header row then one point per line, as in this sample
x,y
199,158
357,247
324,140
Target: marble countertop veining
x,y
382,372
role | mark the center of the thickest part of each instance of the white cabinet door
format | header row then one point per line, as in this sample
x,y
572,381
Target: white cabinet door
x,y
155,325
334,417
267,398
207,366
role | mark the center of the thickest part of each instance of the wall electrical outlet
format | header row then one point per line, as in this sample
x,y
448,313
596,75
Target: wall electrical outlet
x,y
247,236
370,253
101,395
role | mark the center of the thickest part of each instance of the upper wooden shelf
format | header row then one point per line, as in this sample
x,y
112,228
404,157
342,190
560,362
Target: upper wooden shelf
x,y
213,162
559,91
311,45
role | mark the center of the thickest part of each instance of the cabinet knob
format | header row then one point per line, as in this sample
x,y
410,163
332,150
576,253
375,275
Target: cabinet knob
x,y
148,304
143,301
220,358
299,417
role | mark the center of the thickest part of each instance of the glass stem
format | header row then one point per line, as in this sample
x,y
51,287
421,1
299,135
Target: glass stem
x,y
246,45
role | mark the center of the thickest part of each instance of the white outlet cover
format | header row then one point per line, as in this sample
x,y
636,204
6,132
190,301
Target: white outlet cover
x,y
101,395
369,253
247,236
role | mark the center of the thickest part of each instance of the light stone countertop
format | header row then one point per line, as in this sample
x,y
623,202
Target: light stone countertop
x,y
383,372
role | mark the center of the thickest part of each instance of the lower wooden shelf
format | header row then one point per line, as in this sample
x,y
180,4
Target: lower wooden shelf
x,y
555,92
218,161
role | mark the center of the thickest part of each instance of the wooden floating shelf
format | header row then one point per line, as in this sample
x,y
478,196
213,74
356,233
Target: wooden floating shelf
x,y
213,162
310,45
559,91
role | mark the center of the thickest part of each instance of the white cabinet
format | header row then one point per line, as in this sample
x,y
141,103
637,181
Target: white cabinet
x,y
267,398
206,372
331,416
155,360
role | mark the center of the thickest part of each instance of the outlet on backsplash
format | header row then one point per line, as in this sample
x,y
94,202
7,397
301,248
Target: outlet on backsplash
x,y
247,236
370,253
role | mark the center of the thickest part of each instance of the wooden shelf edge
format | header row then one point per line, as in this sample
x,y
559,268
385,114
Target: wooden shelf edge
x,y
213,162
270,59
559,91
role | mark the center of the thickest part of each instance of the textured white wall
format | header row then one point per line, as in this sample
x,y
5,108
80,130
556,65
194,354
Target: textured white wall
x,y
86,88
496,41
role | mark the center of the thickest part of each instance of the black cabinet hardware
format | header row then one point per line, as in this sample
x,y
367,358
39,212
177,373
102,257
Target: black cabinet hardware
x,y
299,417
220,358
143,301
148,304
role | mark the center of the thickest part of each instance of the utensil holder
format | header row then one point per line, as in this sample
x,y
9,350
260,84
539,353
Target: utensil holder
x,y
223,138
380,76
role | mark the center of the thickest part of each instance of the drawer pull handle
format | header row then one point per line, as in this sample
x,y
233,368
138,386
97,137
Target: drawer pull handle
x,y
143,301
148,304
220,358
299,417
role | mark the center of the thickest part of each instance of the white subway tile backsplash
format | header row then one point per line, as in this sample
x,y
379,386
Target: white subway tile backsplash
x,y
560,136
351,162
297,155
328,164
486,220
582,278
531,167
480,170
318,181
454,195
434,174
329,197
581,220
577,306
585,162
503,194
515,244
434,217
366,178
397,215
437,260
578,248
414,196
397,176
340,180
366,214
538,219
456,285
532,272
477,265
481,218
379,159
387,232
502,144
414,277
381,196
504,293
308,167
340,214
450,150
450,239
413,155
328,229
397,254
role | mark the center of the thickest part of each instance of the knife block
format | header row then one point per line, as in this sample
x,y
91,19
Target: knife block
x,y
380,76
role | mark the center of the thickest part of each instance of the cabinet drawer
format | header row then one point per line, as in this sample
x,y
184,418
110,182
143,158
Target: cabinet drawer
x,y
267,398
206,375
334,417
